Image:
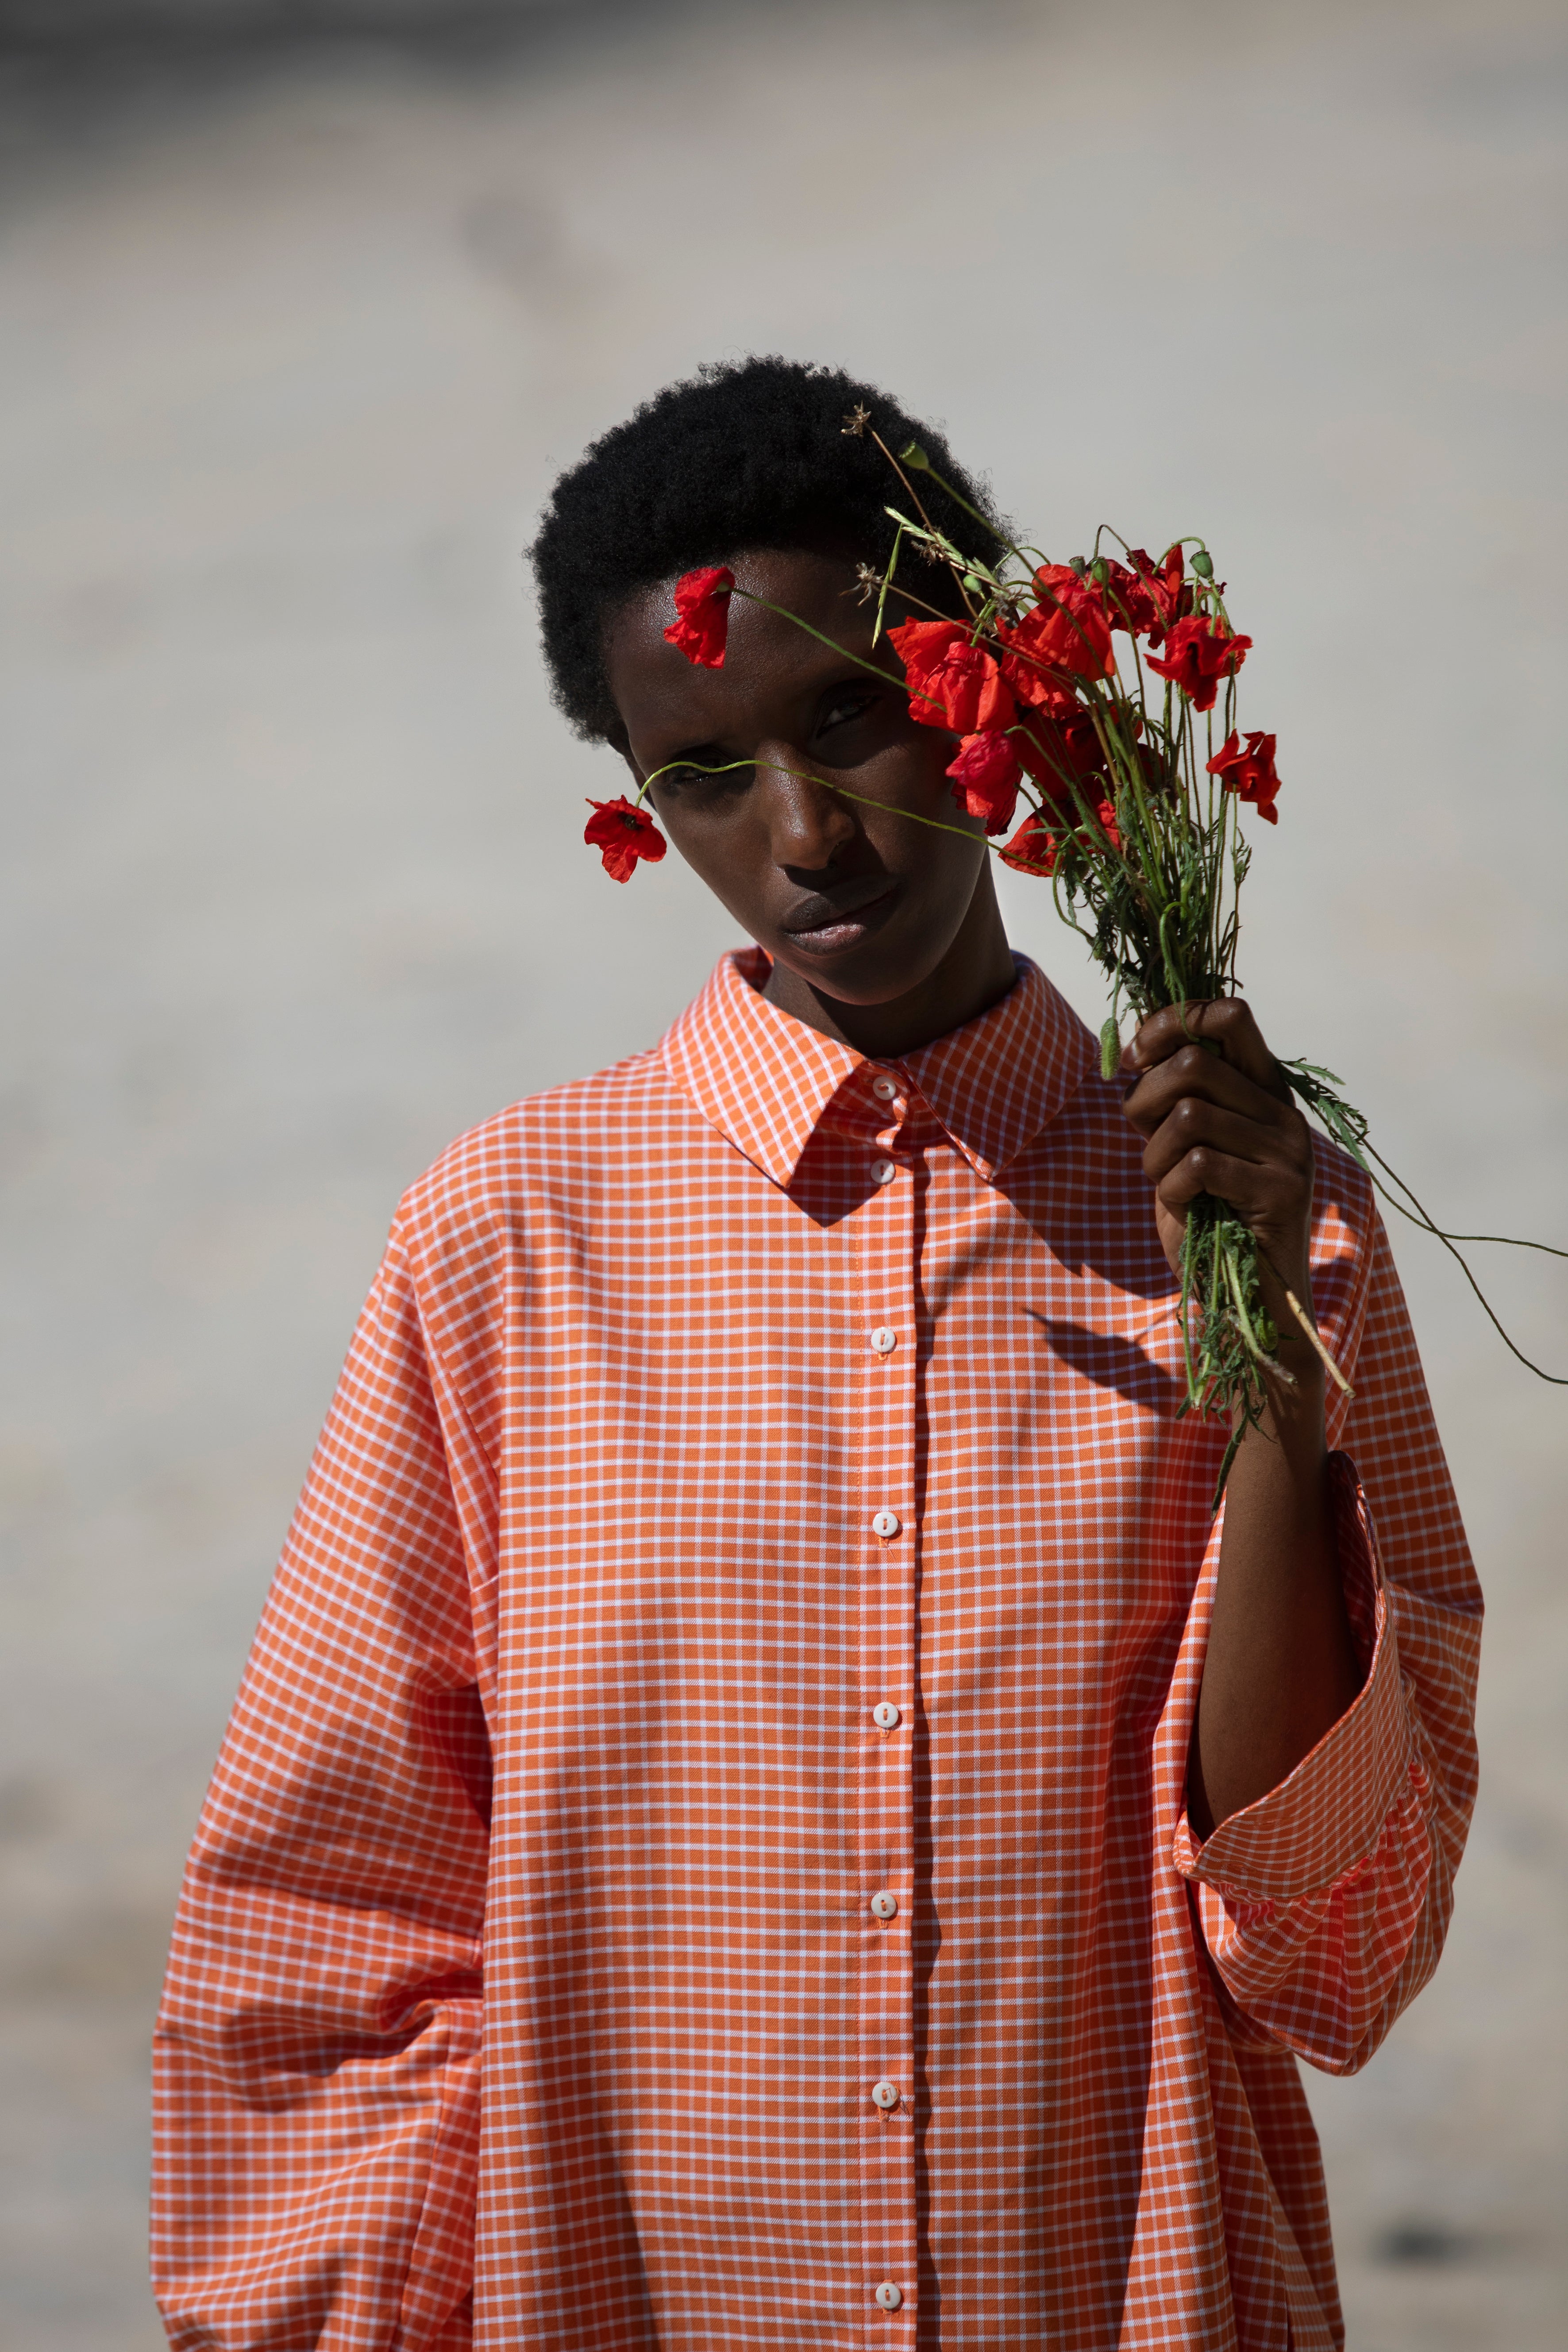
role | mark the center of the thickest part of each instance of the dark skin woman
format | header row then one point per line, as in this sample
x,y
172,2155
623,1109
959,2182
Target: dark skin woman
x,y
886,934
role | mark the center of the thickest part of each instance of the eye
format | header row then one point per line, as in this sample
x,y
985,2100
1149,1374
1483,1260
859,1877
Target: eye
x,y
718,776
847,704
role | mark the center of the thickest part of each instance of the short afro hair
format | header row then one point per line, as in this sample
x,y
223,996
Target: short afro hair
x,y
749,454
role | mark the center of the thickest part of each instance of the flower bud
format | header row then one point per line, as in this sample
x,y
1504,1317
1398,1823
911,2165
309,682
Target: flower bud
x,y
1203,563
1110,1048
1099,569
913,455
974,586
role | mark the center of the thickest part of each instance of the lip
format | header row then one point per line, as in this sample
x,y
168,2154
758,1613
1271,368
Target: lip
x,y
845,925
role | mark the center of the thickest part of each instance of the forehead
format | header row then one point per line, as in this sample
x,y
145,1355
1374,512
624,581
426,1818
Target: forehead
x,y
654,686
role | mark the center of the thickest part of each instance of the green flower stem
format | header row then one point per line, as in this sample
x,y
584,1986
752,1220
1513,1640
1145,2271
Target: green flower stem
x,y
886,583
804,776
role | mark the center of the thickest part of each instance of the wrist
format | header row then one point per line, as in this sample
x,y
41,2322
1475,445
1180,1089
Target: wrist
x,y
1294,1417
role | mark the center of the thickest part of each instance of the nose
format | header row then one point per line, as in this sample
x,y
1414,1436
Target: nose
x,y
808,824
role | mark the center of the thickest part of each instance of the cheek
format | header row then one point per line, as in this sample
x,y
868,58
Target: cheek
x,y
715,843
919,781
913,773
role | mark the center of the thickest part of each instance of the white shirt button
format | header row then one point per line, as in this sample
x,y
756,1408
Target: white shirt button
x,y
884,1906
886,1523
883,1172
888,2295
886,1716
883,1341
884,1088
885,2095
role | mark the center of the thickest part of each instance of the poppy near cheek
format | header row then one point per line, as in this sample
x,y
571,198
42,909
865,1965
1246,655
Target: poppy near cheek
x,y
951,683
985,777
622,834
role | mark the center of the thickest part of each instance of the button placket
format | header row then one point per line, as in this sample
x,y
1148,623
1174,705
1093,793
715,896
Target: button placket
x,y
885,1361
886,1092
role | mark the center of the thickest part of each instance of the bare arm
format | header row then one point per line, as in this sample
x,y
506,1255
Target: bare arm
x,y
1281,1666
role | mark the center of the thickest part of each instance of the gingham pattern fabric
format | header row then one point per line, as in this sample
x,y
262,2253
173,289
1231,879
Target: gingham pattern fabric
x,y
754,1489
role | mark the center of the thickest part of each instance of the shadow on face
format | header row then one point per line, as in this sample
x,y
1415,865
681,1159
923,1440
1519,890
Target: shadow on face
x,y
796,783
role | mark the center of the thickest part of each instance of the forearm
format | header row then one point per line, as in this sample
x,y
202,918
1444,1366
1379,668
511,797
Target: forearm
x,y
1281,1665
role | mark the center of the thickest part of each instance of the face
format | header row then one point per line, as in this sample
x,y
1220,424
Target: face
x,y
842,889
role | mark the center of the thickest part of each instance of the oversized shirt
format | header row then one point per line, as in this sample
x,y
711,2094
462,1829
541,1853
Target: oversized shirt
x,y
700,1856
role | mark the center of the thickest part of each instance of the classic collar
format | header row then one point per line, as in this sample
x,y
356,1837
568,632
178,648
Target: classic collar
x,y
764,1079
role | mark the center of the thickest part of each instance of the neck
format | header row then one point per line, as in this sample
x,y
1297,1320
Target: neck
x,y
975,973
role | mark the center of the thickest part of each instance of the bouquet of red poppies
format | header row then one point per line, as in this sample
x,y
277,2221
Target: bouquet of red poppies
x,y
1131,773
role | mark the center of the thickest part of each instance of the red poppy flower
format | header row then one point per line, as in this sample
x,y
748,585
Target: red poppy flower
x,y
1033,848
1053,691
1132,608
622,834
951,683
702,602
1056,750
1161,590
1247,770
1067,631
1105,813
1201,651
986,778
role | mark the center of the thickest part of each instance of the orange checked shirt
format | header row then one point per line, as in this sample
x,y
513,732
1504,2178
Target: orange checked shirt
x,y
699,1855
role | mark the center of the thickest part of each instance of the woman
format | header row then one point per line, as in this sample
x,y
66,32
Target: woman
x,y
764,1803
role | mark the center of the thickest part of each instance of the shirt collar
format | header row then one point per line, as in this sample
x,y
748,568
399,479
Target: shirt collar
x,y
764,1079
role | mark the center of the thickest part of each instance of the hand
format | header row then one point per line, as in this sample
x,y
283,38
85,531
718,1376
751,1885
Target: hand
x,y
1280,1666
1226,1123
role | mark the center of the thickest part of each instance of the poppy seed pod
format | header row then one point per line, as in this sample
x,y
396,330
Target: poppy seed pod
x,y
1203,563
913,455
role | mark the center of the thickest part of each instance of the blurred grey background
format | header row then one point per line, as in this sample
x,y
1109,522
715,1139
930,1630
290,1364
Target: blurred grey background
x,y
300,308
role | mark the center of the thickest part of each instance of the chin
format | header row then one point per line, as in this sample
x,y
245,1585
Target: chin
x,y
860,976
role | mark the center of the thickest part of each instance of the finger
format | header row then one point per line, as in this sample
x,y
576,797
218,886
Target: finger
x,y
1199,1125
1252,1191
1225,1021
1191,1074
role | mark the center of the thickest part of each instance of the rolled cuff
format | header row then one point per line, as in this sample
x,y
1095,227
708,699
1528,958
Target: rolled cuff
x,y
1328,1815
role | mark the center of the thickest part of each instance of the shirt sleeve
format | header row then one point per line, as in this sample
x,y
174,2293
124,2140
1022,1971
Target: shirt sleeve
x,y
1324,1906
316,2095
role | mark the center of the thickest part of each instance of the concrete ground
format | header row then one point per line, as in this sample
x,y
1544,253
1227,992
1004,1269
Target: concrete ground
x,y
293,340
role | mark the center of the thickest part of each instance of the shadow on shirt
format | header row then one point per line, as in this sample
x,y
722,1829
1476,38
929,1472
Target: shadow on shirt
x,y
1111,1361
